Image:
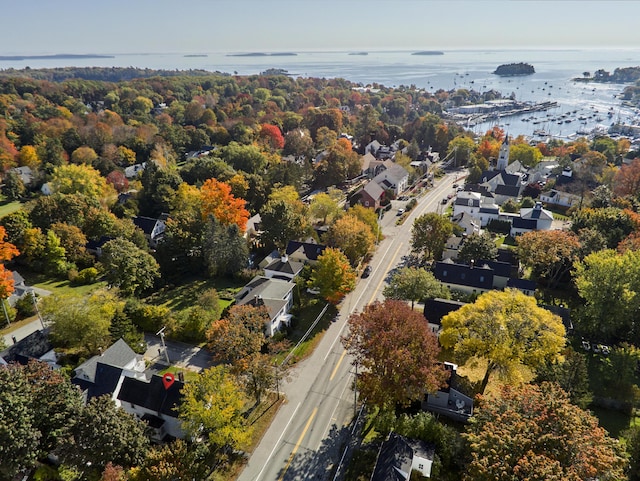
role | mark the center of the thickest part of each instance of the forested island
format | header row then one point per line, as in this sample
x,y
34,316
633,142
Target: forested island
x,y
619,75
510,69
428,52
263,54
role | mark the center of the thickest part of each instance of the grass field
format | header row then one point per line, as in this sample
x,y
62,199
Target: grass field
x,y
9,207
178,298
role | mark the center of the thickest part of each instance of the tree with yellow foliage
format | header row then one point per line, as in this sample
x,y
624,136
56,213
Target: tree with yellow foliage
x,y
506,329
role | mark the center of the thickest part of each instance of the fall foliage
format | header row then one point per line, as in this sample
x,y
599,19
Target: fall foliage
x,y
396,352
534,432
217,200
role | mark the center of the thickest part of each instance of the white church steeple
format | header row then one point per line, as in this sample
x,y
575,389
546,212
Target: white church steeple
x,y
503,156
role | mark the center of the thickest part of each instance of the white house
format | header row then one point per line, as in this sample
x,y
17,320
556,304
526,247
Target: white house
x,y
559,198
530,219
467,202
399,456
152,402
395,178
275,294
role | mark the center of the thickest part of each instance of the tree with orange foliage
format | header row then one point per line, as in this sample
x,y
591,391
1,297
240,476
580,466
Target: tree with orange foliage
x,y
7,252
272,136
217,200
627,179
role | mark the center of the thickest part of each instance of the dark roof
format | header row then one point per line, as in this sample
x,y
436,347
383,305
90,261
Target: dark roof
x,y
563,313
510,179
34,346
147,224
152,395
489,210
105,380
436,309
463,275
507,255
465,202
311,251
286,267
96,244
395,457
500,269
508,190
520,223
524,284
482,189
487,175
119,354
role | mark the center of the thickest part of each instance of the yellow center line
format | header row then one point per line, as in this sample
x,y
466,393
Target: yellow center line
x,y
375,292
335,369
295,448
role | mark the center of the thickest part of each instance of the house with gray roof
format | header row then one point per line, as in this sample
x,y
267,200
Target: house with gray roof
x,y
101,374
283,268
399,456
530,219
371,195
395,178
305,252
450,401
275,294
153,228
35,346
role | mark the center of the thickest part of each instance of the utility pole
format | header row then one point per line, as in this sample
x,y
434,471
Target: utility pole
x,y
355,393
164,346
35,305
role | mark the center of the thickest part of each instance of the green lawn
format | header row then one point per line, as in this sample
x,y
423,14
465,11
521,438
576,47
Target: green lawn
x,y
57,286
178,298
9,207
188,375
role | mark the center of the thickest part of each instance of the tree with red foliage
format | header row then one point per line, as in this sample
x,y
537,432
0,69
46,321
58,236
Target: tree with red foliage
x,y
118,180
534,432
397,353
272,135
217,200
627,179
7,252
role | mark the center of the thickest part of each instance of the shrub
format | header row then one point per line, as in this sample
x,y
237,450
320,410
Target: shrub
x,y
84,277
25,305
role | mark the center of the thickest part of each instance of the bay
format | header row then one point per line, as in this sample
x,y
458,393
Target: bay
x,y
595,103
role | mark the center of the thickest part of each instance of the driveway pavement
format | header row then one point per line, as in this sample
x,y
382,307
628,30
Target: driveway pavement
x,y
180,354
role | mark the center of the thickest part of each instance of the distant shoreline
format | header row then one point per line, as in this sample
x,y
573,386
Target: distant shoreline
x,y
262,54
428,52
62,56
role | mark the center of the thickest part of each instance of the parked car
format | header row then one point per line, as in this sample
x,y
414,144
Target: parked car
x,y
366,272
445,200
400,212
455,186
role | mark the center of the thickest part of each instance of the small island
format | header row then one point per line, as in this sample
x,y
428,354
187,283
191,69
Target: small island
x,y
428,52
358,53
511,69
195,55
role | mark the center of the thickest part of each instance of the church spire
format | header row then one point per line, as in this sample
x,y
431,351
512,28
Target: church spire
x,y
503,156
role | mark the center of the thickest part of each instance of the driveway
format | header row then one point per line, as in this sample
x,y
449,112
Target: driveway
x,y
186,356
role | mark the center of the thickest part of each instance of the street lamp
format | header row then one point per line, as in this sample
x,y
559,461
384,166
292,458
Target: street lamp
x,y
164,346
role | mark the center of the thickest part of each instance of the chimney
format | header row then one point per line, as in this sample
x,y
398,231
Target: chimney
x,y
284,258
471,263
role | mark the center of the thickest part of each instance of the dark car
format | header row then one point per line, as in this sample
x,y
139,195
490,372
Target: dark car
x,y
366,272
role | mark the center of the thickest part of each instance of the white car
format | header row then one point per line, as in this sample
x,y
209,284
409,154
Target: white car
x,y
400,212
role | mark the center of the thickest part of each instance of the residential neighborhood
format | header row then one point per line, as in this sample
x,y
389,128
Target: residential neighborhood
x,y
269,277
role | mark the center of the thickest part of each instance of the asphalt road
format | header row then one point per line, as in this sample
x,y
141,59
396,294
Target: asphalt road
x,y
307,437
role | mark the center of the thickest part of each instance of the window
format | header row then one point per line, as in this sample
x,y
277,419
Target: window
x,y
366,203
481,278
444,273
462,275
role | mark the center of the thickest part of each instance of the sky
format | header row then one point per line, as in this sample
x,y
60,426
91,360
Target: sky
x,y
38,27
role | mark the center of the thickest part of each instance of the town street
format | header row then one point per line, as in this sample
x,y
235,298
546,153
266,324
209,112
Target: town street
x,y
308,435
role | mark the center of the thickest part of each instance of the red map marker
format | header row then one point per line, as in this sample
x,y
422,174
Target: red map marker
x,y
168,379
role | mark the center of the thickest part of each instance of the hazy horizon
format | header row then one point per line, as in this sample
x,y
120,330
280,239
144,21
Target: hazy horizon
x,y
226,26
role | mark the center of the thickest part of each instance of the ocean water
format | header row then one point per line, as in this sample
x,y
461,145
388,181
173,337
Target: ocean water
x,y
471,69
